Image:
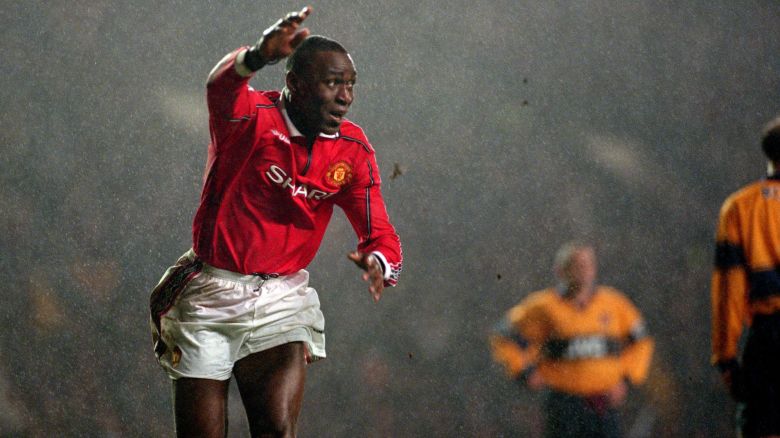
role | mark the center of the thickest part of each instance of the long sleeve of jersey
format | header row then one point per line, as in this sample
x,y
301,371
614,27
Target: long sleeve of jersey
x,y
363,204
229,99
638,350
516,342
729,287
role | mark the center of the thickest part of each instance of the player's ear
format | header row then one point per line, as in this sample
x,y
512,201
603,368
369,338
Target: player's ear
x,y
292,82
560,272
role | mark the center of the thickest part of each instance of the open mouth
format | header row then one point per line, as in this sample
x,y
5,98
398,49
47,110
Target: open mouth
x,y
337,115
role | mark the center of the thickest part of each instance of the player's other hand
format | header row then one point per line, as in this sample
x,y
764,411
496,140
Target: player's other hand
x,y
279,40
535,381
618,394
373,272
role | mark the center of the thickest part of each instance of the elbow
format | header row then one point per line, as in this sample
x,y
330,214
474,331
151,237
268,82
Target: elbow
x,y
219,69
211,81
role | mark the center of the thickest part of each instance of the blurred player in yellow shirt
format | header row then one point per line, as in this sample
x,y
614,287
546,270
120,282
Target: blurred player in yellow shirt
x,y
583,342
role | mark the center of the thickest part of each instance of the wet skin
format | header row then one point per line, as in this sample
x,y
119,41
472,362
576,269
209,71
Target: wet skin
x,y
319,99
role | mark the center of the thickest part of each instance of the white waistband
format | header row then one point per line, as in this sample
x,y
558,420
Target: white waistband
x,y
236,276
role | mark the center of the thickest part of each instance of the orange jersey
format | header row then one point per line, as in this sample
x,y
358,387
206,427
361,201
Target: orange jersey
x,y
746,278
581,351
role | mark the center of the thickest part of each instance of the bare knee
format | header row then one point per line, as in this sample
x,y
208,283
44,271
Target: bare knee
x,y
275,414
277,425
271,386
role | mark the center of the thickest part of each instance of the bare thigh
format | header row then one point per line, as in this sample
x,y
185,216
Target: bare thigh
x,y
271,384
200,407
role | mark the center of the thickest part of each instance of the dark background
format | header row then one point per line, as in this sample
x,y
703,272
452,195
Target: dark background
x,y
518,125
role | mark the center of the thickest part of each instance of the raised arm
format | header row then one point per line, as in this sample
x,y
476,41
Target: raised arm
x,y
228,95
276,43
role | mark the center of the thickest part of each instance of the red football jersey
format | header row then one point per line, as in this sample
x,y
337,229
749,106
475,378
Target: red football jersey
x,y
267,198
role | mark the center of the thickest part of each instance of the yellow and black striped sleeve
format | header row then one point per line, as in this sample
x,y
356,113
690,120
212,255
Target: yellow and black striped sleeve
x,y
516,340
638,351
729,288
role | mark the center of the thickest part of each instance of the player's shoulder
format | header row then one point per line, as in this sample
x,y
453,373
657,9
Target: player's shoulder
x,y
351,133
538,298
610,291
612,294
745,194
267,99
534,305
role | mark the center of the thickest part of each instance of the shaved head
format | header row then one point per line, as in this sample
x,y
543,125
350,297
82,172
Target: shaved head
x,y
300,62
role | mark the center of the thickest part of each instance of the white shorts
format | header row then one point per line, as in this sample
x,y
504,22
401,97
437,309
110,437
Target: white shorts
x,y
222,316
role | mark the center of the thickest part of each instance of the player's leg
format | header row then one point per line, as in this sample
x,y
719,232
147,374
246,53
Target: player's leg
x,y
271,384
761,362
564,416
609,424
200,407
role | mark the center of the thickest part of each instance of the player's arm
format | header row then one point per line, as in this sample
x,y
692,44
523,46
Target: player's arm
x,y
227,85
729,291
515,344
379,248
638,351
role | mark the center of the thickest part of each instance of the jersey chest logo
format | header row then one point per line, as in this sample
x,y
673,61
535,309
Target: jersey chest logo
x,y
278,176
339,173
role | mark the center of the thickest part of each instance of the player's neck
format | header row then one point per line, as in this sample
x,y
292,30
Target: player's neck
x,y
580,295
299,120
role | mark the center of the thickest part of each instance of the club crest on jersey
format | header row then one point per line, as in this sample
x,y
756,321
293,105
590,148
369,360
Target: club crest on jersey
x,y
339,173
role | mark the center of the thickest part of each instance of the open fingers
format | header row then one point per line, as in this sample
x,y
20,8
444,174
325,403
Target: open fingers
x,y
377,283
290,23
298,17
284,36
375,277
358,258
294,19
299,37
373,272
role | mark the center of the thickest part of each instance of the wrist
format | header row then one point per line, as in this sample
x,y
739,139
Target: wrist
x,y
526,374
380,258
253,59
240,64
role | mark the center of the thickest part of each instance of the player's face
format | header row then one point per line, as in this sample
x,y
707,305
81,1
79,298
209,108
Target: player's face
x,y
581,269
329,91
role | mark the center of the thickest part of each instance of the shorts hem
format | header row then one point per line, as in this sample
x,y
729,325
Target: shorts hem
x,y
316,352
297,334
178,375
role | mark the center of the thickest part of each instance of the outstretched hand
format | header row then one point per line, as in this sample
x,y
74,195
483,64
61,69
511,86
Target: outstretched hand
x,y
373,272
281,39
